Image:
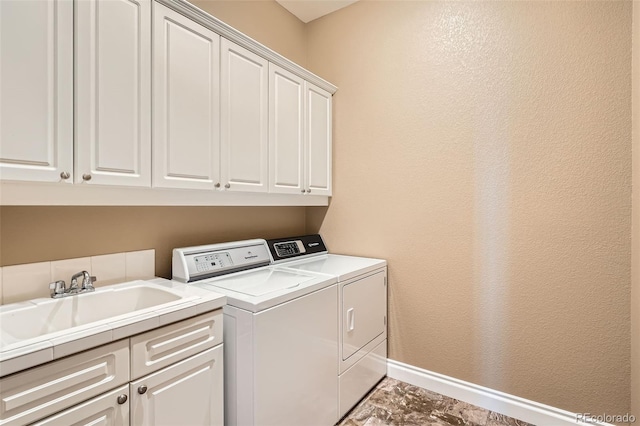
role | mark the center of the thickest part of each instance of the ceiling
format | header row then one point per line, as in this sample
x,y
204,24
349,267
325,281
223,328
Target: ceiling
x,y
308,10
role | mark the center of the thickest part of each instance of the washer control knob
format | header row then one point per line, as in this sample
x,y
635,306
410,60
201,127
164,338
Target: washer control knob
x,y
142,389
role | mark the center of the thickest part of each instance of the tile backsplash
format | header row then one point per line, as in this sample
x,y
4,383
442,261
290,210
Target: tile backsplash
x,y
31,280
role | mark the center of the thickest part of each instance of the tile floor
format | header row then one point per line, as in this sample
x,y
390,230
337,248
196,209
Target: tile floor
x,y
395,403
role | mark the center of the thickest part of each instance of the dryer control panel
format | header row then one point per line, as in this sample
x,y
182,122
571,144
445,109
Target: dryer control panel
x,y
289,248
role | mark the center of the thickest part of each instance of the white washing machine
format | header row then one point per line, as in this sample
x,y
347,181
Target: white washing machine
x,y
280,334
362,310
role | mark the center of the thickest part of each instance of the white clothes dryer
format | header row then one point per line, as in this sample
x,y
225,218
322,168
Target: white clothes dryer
x,y
362,310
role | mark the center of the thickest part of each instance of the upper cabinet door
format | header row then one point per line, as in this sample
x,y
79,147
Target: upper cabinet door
x,y
113,92
186,99
244,115
286,135
318,140
36,90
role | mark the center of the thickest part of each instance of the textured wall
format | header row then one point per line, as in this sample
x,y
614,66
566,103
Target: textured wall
x,y
265,21
35,234
31,234
635,293
484,149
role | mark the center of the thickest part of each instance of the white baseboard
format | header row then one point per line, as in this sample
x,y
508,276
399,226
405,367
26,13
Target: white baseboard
x,y
500,402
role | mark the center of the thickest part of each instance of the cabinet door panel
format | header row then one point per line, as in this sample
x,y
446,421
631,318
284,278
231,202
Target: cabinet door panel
x,y
41,391
186,102
104,410
286,137
189,392
113,92
318,140
36,89
244,119
163,346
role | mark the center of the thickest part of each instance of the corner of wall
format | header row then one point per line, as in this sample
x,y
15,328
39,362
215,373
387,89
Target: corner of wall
x,y
635,235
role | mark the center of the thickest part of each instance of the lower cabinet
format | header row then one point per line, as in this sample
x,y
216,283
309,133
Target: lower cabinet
x,y
183,384
187,393
111,408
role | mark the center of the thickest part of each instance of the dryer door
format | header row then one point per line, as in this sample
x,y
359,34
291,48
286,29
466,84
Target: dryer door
x,y
364,308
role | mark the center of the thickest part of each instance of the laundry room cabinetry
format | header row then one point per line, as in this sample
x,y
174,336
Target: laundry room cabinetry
x,y
299,135
318,113
113,92
158,95
36,90
109,409
244,114
169,375
186,72
176,373
188,393
111,133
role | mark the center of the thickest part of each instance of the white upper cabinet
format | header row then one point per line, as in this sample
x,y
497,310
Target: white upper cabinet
x,y
244,115
36,90
299,135
153,94
186,99
318,140
113,92
286,131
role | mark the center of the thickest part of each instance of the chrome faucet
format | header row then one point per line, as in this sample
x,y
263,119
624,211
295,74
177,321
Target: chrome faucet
x,y
58,289
87,282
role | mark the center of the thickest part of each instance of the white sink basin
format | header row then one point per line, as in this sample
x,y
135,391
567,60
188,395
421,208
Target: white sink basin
x,y
43,317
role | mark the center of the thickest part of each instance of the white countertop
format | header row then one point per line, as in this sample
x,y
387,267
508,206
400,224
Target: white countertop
x,y
17,355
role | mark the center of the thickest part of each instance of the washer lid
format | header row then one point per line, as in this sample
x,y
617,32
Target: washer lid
x,y
263,281
262,288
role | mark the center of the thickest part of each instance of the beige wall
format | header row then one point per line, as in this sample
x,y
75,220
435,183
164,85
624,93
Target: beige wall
x,y
34,234
31,234
265,21
635,292
484,149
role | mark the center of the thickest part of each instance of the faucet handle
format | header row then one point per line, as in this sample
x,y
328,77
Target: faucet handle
x,y
57,288
87,283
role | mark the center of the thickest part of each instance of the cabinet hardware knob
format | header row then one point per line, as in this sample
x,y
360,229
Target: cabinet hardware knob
x,y
217,185
86,177
122,399
228,186
142,389
308,191
303,191
65,175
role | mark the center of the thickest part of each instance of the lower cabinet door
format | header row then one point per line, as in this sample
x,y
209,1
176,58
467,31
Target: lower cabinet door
x,y
189,392
109,409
